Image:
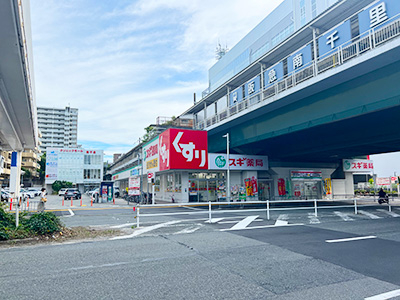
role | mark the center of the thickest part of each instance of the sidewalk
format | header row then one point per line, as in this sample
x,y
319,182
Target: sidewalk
x,y
55,202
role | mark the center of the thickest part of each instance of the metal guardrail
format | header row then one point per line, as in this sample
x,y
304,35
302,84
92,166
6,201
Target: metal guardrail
x,y
344,53
313,204
23,205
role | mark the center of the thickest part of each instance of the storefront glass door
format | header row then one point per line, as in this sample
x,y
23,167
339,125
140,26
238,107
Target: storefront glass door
x,y
265,191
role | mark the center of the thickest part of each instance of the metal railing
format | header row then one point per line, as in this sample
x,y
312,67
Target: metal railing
x,y
23,205
258,206
339,56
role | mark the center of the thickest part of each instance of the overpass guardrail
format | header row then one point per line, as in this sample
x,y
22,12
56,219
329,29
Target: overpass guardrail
x,y
341,55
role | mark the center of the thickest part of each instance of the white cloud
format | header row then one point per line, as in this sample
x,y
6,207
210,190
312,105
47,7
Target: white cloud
x,y
125,65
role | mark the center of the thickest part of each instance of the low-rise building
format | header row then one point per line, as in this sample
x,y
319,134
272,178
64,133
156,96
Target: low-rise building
x,y
82,167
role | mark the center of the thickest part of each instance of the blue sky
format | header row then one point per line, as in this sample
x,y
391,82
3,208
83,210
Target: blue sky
x,y
125,63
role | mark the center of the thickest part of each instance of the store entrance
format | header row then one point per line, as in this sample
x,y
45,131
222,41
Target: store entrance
x,y
265,189
203,190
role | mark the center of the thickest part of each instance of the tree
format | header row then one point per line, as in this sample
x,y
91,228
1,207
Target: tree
x,y
58,185
42,170
150,132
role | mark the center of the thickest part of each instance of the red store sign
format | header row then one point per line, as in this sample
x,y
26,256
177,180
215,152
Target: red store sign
x,y
183,149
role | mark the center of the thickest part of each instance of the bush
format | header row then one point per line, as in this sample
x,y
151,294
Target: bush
x,y
58,185
43,223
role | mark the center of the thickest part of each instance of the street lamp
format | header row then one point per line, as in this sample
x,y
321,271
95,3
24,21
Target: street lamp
x,y
228,175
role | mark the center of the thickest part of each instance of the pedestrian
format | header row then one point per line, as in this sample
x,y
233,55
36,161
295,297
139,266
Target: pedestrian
x,y
42,201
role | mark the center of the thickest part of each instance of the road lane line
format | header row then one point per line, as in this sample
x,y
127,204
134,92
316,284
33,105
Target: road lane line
x,y
384,296
352,239
344,216
244,223
372,216
390,213
144,230
261,227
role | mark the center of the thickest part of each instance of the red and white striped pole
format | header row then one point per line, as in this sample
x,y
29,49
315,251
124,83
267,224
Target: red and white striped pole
x,y
10,204
81,200
72,204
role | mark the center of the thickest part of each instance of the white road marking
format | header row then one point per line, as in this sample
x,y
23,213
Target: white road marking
x,y
189,230
372,216
231,222
281,223
99,266
352,239
144,230
244,223
192,208
283,217
390,213
260,227
384,296
313,219
123,225
344,216
214,220
71,213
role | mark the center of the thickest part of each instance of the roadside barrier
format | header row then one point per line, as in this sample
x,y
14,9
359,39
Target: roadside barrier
x,y
277,205
28,206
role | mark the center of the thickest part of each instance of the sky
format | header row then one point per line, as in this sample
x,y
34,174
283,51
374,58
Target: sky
x,y
124,63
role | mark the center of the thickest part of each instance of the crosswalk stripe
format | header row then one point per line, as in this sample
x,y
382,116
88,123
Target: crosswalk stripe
x,y
214,220
313,219
283,217
390,213
344,216
244,223
368,214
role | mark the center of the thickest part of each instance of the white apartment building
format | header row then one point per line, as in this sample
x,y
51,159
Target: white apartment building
x,y
82,167
58,126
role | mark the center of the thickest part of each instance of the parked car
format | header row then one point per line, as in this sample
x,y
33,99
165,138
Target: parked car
x,y
93,192
36,191
72,193
27,194
62,192
4,196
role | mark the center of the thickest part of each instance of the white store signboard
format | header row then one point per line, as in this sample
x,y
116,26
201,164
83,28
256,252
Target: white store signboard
x,y
134,186
151,157
358,165
383,181
218,161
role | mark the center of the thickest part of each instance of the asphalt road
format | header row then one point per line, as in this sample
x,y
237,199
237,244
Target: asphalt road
x,y
184,257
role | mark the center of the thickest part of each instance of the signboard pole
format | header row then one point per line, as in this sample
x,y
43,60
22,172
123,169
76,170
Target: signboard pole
x,y
228,182
153,200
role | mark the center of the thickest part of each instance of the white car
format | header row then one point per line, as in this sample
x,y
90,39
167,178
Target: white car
x,y
36,191
62,192
25,193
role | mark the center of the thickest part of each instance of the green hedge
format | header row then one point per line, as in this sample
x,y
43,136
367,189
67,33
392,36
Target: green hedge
x,y
34,225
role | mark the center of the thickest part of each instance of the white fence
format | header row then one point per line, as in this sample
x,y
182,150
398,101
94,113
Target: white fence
x,y
267,206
